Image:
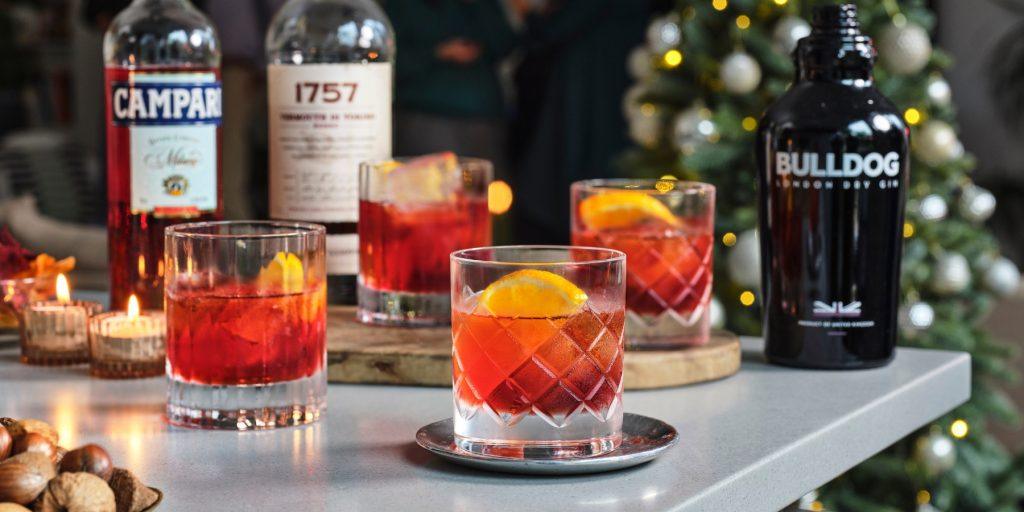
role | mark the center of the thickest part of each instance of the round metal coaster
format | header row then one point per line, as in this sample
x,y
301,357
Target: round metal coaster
x,y
643,439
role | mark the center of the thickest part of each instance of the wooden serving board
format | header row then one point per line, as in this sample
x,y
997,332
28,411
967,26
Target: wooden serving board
x,y
366,354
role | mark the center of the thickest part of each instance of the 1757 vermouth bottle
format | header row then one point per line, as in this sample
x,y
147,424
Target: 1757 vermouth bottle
x,y
163,103
329,76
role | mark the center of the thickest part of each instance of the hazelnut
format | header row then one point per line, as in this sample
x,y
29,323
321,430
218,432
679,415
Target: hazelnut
x,y
20,483
22,427
130,493
91,458
33,442
12,507
37,461
77,492
5,442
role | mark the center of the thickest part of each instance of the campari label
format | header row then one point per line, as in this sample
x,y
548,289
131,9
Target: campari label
x,y
171,119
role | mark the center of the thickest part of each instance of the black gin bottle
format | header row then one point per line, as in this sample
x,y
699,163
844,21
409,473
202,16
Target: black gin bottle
x,y
833,169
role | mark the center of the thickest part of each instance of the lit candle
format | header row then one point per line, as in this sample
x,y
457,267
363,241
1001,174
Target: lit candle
x,y
129,344
56,332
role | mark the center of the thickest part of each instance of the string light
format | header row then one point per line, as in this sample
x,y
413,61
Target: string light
x,y
743,21
781,2
647,109
817,506
672,58
959,429
912,115
923,497
908,230
729,239
719,5
749,123
747,298
499,197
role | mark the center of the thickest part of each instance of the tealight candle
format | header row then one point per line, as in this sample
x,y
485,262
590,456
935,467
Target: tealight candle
x,y
56,332
129,344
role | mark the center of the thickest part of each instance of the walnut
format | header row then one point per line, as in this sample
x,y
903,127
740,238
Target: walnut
x,y
77,492
130,493
12,507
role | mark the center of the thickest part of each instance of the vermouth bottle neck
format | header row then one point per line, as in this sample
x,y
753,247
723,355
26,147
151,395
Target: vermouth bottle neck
x,y
836,50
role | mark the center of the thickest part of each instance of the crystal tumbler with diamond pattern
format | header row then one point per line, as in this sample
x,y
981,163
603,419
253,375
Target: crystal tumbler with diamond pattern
x,y
666,229
538,350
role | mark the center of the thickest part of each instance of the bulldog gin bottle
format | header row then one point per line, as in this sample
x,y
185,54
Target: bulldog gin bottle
x,y
833,172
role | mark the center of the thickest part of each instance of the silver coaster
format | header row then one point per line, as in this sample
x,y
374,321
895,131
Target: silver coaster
x,y
643,439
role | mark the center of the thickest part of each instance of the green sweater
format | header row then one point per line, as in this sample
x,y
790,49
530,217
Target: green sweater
x,y
427,84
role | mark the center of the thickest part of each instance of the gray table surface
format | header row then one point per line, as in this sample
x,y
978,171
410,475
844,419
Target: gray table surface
x,y
756,441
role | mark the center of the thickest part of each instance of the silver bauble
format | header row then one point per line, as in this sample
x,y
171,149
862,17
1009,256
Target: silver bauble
x,y
788,31
936,143
645,128
807,500
915,317
1002,277
935,452
933,207
640,63
716,314
904,50
664,33
631,100
744,260
740,73
692,128
976,204
939,91
951,274
927,507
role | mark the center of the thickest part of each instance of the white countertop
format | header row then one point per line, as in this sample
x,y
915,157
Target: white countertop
x,y
756,441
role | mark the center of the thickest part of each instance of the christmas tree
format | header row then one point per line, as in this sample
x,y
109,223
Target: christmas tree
x,y
708,71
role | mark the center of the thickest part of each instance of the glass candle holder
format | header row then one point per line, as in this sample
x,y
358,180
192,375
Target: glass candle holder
x,y
246,316
56,332
413,213
666,228
128,345
538,350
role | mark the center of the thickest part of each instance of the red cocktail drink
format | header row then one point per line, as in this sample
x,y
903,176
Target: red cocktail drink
x,y
666,229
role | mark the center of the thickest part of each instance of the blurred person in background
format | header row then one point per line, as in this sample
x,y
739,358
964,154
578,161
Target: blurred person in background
x,y
448,90
569,124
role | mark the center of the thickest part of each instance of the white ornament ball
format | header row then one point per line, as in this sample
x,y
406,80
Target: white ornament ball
x,y
933,207
939,91
904,50
937,143
916,316
640,63
645,129
951,274
927,507
716,314
976,204
664,33
936,452
744,260
788,31
692,128
740,73
1002,277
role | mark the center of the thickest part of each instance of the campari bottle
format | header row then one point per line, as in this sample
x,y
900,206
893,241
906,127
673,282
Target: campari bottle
x,y
833,172
329,80
163,107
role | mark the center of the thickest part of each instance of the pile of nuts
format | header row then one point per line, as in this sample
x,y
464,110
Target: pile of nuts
x,y
35,471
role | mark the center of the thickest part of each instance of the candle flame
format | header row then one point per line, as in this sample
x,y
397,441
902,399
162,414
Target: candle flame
x,y
133,307
63,290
